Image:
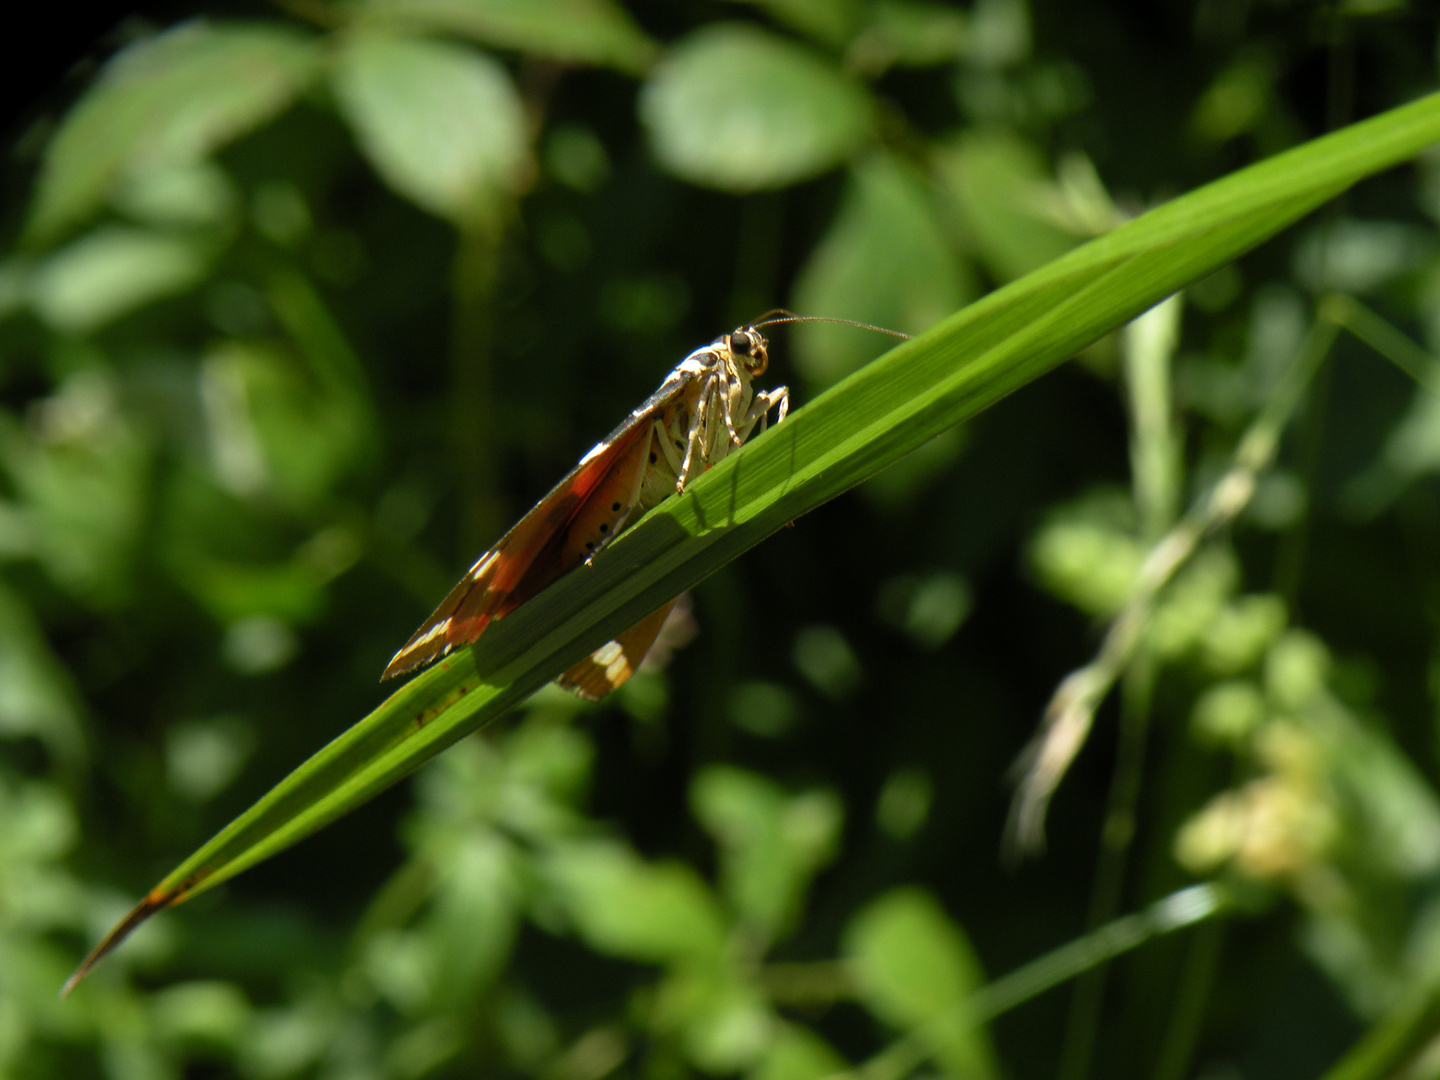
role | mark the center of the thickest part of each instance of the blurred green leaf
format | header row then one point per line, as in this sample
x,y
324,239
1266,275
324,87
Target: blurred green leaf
x,y
771,843
1187,611
163,102
440,122
1228,712
928,609
1350,256
1088,553
474,914
830,22
284,1042
547,776
81,471
656,912
797,1053
216,1013
238,564
192,194
763,709
578,31
1003,193
1413,446
259,644
1000,33
203,757
1396,810
824,657
463,789
400,966
38,698
1241,632
40,826
232,591
1401,1042
1238,100
915,970
886,220
736,108
911,33
1297,666
724,1020
279,426
1336,800
904,802
111,272
849,433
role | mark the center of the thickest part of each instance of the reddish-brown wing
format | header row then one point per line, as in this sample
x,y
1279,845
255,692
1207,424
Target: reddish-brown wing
x,y
577,518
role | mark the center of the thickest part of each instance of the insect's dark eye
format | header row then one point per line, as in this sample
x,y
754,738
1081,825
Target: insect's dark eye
x,y
741,342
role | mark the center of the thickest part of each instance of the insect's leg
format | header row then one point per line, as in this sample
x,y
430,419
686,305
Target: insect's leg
x,y
692,437
760,410
718,428
733,391
660,436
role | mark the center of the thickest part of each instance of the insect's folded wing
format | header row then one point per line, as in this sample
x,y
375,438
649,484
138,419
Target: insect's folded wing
x,y
607,668
526,559
509,573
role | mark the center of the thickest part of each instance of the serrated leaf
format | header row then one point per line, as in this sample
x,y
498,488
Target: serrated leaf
x,y
737,108
885,220
622,905
915,970
167,101
848,434
578,31
441,123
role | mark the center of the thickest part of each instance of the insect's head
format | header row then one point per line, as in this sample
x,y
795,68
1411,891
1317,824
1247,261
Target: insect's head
x,y
749,347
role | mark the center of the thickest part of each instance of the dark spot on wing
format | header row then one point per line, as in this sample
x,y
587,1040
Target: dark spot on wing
x,y
615,507
604,527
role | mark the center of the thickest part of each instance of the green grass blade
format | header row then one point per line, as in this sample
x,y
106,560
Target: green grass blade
x,y
858,427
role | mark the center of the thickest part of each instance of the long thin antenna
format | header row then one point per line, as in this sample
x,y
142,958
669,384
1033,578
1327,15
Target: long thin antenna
x,y
780,315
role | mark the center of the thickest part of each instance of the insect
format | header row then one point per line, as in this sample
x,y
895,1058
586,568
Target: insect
x,y
704,409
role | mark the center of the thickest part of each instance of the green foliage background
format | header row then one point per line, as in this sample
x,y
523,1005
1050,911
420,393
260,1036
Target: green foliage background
x,y
303,305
